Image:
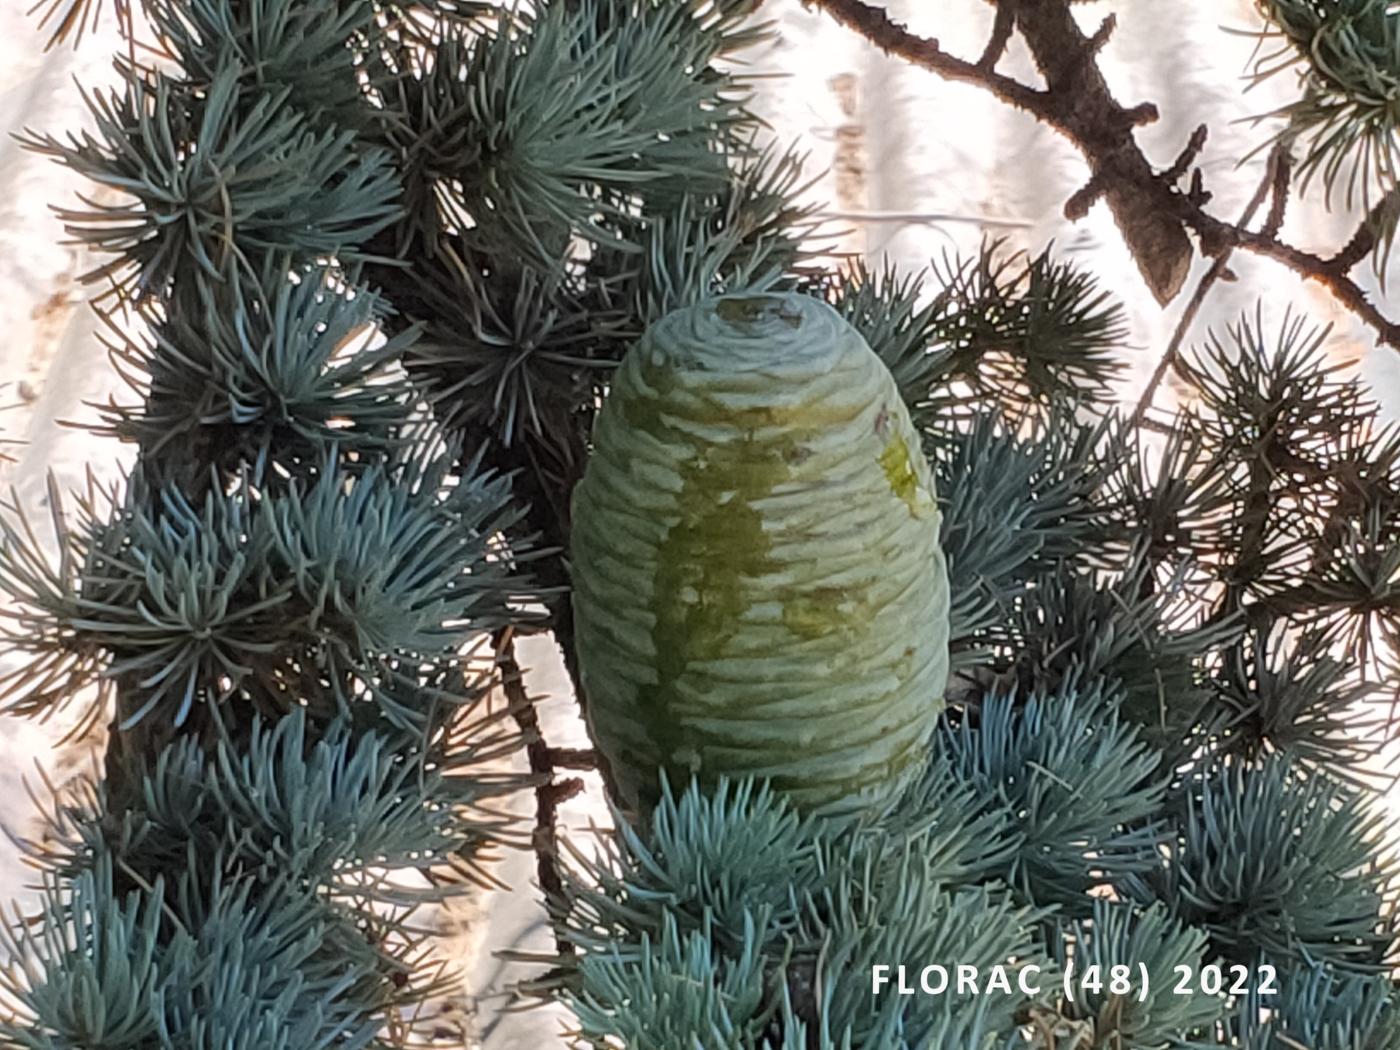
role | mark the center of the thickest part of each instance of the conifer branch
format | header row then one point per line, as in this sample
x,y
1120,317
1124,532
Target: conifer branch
x,y
550,793
1128,774
1182,165
1153,214
1002,29
1367,235
892,38
1278,163
1281,168
573,758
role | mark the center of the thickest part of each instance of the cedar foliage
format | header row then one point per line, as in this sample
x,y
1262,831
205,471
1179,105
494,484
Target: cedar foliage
x,y
385,255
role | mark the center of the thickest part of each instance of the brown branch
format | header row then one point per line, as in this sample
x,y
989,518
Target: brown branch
x,y
892,38
1083,199
1101,35
1171,359
1198,194
1363,242
1103,129
573,758
1002,28
1305,264
1153,215
549,793
1281,163
1188,155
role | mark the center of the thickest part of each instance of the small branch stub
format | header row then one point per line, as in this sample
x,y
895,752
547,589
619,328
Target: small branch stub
x,y
1153,214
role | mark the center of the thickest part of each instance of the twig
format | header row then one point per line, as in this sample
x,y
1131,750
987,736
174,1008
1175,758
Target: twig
x,y
1363,242
1282,162
1002,28
573,758
1170,359
1103,129
1084,198
549,793
1188,155
892,38
1101,35
1152,213
1306,264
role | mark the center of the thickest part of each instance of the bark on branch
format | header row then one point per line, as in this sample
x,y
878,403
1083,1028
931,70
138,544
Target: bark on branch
x,y
550,792
1154,214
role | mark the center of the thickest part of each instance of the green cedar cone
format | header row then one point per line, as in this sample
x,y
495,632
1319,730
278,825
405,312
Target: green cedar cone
x,y
758,585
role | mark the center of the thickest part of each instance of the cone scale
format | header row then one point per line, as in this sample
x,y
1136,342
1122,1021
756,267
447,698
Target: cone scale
x,y
758,585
